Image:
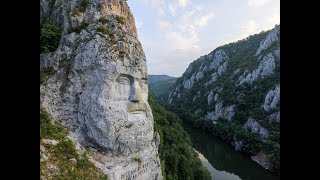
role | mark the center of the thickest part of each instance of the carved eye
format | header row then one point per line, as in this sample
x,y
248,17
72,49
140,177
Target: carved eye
x,y
143,82
123,80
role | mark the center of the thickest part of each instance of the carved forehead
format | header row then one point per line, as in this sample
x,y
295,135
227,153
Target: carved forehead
x,y
137,69
114,69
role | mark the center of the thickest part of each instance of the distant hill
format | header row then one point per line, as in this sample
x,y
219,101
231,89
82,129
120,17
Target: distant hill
x,y
160,84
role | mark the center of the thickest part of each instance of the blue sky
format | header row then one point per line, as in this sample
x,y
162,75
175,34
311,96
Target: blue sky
x,y
173,33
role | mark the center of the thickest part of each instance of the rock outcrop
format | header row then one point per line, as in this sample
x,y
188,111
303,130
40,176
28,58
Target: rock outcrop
x,y
273,36
221,112
98,89
255,127
265,68
274,117
218,57
272,99
210,97
262,159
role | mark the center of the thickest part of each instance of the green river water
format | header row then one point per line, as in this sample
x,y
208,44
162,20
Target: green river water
x,y
222,161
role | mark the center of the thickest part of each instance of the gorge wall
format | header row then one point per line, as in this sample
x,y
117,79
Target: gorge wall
x,y
235,89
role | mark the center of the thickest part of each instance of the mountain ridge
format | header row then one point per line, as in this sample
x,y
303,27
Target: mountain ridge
x,y
160,84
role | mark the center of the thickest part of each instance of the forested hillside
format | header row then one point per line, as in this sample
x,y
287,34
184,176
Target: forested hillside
x,y
178,159
234,93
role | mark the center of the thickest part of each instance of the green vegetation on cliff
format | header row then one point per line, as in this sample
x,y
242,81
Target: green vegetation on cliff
x,y
49,36
59,158
178,159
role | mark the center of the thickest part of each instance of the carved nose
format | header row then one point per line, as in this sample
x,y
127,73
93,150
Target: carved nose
x,y
135,92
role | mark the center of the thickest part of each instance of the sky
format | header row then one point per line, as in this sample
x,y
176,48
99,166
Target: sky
x,y
173,33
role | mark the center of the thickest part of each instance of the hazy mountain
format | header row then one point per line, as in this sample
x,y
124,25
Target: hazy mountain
x,y
160,84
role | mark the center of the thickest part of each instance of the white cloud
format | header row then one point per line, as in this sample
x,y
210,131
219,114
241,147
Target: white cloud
x,y
181,38
183,3
164,25
139,24
203,20
156,4
174,62
257,3
182,41
274,19
184,31
161,12
172,9
249,27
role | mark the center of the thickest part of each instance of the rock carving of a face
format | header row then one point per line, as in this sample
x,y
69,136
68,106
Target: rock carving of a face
x,y
118,117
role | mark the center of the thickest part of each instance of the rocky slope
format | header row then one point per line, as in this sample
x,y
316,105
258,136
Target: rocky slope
x,y
238,83
94,83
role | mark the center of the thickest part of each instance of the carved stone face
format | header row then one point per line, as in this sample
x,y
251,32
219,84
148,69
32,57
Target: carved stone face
x,y
117,115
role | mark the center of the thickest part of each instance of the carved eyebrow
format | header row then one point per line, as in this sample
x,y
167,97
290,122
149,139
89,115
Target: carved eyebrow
x,y
126,75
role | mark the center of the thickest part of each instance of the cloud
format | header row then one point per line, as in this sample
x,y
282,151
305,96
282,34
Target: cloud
x,y
274,19
203,20
173,63
180,34
164,25
183,3
257,3
248,28
183,32
139,24
161,12
172,9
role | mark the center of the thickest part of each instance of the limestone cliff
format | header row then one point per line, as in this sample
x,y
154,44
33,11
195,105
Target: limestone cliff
x,y
97,86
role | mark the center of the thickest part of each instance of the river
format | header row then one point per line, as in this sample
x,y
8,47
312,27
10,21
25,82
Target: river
x,y
222,161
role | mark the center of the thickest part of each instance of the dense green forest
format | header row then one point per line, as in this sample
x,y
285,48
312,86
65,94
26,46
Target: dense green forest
x,y
178,159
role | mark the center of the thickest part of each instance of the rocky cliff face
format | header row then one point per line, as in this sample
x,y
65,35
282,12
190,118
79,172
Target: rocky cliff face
x,y
97,87
239,84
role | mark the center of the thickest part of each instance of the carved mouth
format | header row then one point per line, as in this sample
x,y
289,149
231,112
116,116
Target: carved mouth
x,y
137,107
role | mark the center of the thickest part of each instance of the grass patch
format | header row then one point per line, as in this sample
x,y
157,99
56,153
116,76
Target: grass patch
x,y
67,147
61,154
79,28
137,160
48,130
103,20
83,5
80,9
64,61
50,34
105,30
128,126
120,19
45,73
75,12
